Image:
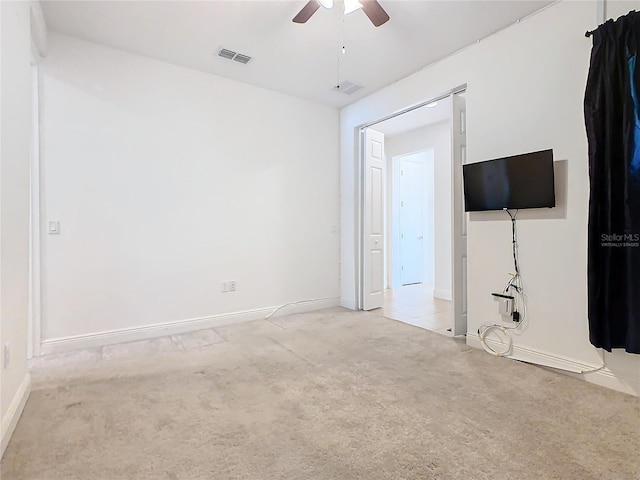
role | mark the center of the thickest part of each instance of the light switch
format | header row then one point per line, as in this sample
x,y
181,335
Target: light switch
x,y
54,227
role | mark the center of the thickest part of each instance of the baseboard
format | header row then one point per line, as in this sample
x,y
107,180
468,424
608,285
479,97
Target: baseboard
x,y
10,419
574,368
442,294
111,337
348,303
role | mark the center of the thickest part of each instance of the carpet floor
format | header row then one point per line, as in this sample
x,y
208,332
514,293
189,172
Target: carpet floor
x,y
323,395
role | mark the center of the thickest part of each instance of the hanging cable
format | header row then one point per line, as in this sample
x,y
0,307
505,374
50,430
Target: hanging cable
x,y
514,289
514,241
342,49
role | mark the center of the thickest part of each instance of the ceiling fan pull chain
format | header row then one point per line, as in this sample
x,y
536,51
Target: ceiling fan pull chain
x,y
340,34
344,50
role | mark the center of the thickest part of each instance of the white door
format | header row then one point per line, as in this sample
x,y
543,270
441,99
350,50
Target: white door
x,y
373,221
459,217
411,222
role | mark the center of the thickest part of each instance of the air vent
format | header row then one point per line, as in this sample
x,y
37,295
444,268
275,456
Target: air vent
x,y
224,53
347,87
231,55
242,58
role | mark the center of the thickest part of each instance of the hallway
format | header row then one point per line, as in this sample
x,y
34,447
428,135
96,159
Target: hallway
x,y
415,305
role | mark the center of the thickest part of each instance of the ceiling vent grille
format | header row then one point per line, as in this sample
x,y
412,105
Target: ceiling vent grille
x,y
231,55
242,58
347,87
224,53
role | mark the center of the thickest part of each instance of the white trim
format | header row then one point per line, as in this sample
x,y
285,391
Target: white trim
x,y
442,294
38,28
349,303
359,250
123,335
392,226
35,309
574,368
10,419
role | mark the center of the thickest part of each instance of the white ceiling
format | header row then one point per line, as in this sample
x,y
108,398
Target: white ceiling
x,y
296,59
419,117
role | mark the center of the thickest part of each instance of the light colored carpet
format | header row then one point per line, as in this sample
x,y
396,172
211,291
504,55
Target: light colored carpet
x,y
325,395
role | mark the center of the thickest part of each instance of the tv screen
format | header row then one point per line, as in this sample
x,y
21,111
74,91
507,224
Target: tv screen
x,y
520,181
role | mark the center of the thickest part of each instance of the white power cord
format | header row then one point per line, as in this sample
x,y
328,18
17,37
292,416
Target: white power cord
x,y
484,330
597,369
295,303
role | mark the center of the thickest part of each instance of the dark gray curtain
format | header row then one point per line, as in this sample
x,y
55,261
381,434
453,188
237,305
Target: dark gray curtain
x,y
612,112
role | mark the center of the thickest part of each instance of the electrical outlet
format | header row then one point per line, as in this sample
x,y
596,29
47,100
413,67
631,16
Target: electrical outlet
x,y
224,286
6,355
232,286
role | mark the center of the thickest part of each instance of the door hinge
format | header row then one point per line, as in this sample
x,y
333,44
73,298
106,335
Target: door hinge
x,y
401,235
402,268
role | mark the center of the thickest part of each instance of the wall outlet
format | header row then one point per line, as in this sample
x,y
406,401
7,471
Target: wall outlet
x,y
224,287
6,356
232,286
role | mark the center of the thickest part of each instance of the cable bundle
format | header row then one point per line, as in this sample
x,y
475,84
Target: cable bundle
x,y
514,288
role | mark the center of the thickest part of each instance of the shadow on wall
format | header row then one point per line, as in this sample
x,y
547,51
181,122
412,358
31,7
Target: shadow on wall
x,y
560,172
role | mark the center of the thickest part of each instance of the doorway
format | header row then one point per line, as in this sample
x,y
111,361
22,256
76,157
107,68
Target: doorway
x,y
409,297
431,296
411,249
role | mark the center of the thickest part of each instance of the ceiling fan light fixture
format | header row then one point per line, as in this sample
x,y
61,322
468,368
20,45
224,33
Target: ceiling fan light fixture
x,y
326,3
351,6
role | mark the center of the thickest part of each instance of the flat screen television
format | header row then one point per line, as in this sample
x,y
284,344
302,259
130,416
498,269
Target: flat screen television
x,y
520,181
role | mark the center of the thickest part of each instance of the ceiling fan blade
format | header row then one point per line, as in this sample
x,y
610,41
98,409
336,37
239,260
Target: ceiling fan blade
x,y
375,12
305,14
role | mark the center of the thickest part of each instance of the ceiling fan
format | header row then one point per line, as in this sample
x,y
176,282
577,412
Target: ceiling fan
x,y
371,8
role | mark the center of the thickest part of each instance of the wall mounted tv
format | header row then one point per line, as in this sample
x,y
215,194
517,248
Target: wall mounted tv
x,y
520,181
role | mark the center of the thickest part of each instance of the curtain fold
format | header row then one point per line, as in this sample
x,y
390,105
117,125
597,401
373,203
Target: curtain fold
x,y
612,120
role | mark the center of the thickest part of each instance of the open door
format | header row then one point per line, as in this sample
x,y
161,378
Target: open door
x,y
459,217
373,221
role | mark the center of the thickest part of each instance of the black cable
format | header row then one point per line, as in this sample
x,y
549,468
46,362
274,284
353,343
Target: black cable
x,y
514,242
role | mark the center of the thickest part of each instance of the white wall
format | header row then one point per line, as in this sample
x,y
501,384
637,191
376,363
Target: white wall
x,y
525,93
15,130
167,181
616,8
438,137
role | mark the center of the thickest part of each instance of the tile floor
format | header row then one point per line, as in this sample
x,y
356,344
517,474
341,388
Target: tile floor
x,y
415,304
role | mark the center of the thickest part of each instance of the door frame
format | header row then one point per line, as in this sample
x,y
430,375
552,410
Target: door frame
x,y
393,215
360,191
35,241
